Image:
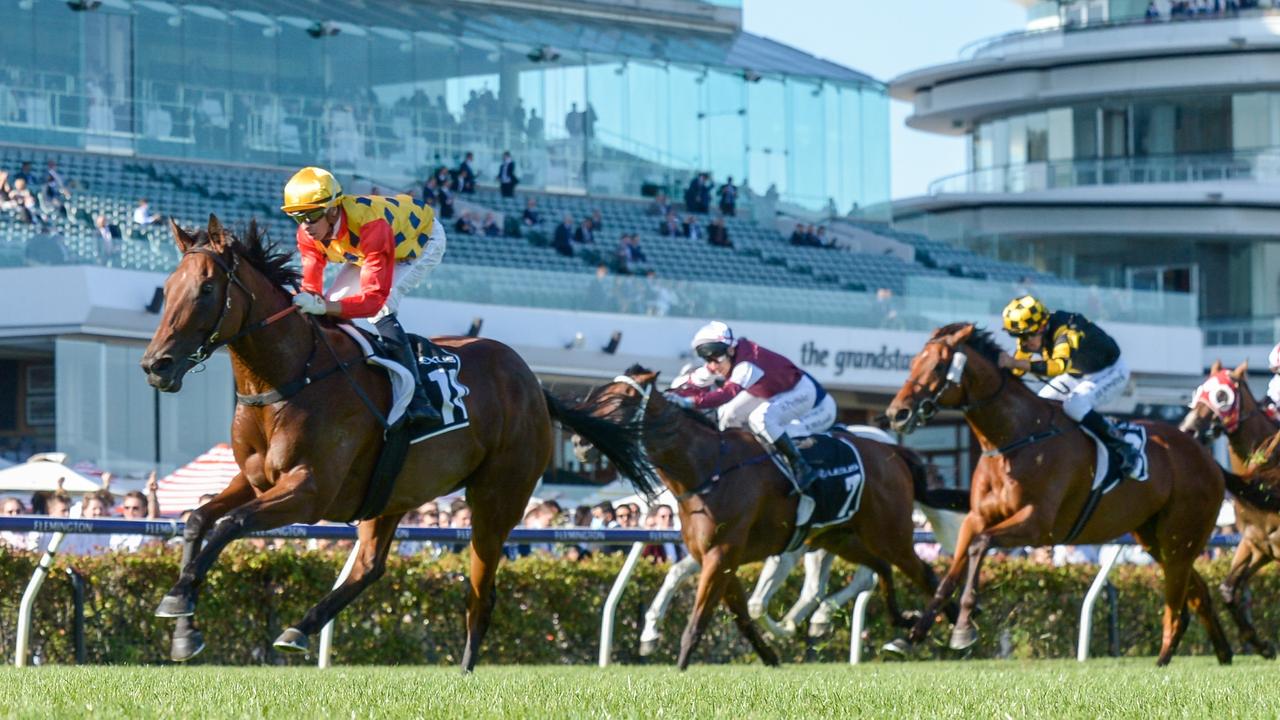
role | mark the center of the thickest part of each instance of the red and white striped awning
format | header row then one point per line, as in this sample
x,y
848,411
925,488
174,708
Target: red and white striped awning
x,y
206,475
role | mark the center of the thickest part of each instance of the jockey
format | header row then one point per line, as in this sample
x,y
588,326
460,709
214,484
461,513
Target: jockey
x,y
736,413
387,245
1272,407
1081,364
782,393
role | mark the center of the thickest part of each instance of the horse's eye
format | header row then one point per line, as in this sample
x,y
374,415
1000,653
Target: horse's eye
x,y
206,288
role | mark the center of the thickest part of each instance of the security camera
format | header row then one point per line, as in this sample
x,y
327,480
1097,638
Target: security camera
x,y
545,53
82,5
320,29
751,76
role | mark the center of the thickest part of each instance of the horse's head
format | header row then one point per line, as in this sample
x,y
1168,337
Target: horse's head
x,y
204,301
627,400
937,378
1216,405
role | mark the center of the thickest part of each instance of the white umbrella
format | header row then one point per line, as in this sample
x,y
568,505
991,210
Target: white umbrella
x,y
42,474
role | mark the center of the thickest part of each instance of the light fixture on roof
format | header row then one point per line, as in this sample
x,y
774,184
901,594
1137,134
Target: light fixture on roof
x,y
577,342
614,340
83,5
751,76
543,53
324,28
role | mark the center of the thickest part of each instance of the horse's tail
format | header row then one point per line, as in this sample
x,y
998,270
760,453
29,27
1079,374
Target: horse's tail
x,y
622,443
1249,489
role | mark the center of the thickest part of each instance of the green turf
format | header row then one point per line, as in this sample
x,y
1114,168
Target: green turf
x,y
1192,687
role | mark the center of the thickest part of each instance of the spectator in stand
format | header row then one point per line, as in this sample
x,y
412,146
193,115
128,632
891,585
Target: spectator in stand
x,y
661,517
465,224
22,202
444,200
811,236
887,309
56,189
466,175
562,239
137,506
531,216
820,238
660,205
597,221
586,234
729,197
691,228
108,236
15,540
1153,11
491,227
670,226
27,174
692,195
461,517
629,253
797,236
507,179
718,234
658,298
602,516
142,215
445,179
535,127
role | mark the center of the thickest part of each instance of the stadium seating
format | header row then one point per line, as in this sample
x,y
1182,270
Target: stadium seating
x,y
189,191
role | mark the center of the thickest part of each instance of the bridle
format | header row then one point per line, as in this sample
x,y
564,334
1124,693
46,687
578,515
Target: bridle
x,y
214,339
1226,411
927,407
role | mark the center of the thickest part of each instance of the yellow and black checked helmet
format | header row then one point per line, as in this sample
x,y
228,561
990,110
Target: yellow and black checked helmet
x,y
310,188
1025,316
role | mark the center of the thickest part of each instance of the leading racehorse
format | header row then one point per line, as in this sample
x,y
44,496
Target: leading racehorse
x,y
737,507
307,445
1035,477
1223,403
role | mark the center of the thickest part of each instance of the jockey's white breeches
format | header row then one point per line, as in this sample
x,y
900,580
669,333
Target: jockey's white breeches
x,y
406,275
780,414
1081,394
749,411
1273,390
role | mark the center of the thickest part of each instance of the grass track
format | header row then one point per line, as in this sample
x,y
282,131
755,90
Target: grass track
x,y
1192,687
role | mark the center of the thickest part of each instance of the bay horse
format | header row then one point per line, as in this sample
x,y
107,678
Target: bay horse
x,y
737,507
1224,404
309,457
1035,476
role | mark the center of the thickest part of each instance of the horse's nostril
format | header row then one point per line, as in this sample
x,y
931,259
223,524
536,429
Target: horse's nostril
x,y
902,415
160,364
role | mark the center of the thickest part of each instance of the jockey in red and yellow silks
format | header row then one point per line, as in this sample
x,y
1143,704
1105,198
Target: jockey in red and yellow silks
x,y
387,245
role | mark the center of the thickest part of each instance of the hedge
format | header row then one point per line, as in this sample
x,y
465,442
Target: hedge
x,y
548,610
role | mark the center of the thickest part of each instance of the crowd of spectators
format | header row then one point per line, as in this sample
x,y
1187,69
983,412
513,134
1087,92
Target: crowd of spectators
x,y
810,236
1197,9
35,197
103,503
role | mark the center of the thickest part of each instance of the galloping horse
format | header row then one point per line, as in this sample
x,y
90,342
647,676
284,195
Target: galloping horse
x,y
308,454
737,507
1035,476
1223,403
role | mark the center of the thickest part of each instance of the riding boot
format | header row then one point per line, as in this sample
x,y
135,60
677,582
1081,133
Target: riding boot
x,y
420,414
1102,428
805,474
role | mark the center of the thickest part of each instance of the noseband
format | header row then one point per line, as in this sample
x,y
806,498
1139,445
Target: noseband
x,y
927,407
214,340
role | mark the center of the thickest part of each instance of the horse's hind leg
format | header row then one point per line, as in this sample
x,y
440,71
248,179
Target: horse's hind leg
x,y
371,562
1247,561
773,574
1201,602
1177,574
676,574
735,598
849,546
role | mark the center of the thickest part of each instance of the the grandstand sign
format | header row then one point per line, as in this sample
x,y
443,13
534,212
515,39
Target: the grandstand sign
x,y
838,361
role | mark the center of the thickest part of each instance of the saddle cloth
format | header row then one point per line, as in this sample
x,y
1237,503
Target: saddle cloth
x,y
438,369
836,494
1106,477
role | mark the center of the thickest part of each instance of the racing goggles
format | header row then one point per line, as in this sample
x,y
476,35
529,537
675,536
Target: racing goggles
x,y
712,351
308,216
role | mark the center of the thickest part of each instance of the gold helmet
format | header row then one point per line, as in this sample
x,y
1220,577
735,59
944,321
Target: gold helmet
x,y
310,188
1025,316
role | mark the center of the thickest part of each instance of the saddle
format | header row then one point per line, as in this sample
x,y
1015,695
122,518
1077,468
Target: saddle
x,y
1107,475
836,494
439,370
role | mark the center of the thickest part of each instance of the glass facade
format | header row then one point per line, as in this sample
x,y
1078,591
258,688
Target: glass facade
x,y
388,90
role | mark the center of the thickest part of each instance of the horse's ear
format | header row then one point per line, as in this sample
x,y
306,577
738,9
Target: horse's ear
x,y
1216,367
1241,370
180,236
959,336
215,233
253,230
648,377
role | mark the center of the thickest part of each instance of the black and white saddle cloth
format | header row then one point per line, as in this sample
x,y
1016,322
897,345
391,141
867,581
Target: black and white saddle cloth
x,y
1106,475
836,494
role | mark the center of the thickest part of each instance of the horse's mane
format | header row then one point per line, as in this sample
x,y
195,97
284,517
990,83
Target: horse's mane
x,y
268,258
980,341
665,422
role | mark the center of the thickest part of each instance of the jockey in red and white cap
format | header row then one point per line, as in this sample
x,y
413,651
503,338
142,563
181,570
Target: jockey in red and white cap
x,y
784,399
1273,387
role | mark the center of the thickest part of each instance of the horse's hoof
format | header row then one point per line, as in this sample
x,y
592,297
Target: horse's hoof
x,y
648,647
176,606
771,659
898,646
184,648
1267,651
291,640
1225,659
963,638
819,629
755,610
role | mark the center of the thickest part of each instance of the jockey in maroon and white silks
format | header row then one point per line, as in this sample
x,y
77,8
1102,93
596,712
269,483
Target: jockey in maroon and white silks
x,y
780,393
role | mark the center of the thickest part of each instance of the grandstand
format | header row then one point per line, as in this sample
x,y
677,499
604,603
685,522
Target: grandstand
x,y
189,191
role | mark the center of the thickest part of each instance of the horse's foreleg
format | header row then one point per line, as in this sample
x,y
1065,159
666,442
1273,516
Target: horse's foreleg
x,y
716,571
963,634
1200,602
1235,594
495,509
291,500
735,598
371,562
971,526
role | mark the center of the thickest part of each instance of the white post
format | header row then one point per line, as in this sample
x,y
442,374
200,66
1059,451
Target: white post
x,y
611,604
326,633
1108,557
23,642
859,621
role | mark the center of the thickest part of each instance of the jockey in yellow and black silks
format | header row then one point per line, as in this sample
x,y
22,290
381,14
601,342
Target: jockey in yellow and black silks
x,y
387,245
1080,364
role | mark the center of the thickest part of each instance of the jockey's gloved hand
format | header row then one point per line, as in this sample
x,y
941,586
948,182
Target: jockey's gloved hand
x,y
681,401
310,303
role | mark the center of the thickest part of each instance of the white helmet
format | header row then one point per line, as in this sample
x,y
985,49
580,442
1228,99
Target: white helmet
x,y
713,340
1273,359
